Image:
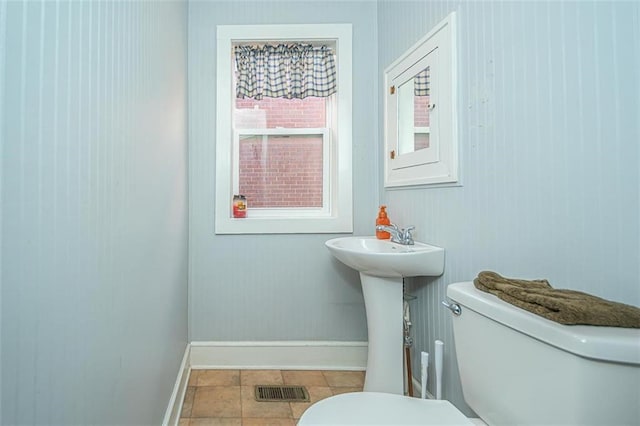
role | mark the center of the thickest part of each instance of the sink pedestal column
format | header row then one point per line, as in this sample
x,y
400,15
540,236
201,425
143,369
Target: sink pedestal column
x,y
383,302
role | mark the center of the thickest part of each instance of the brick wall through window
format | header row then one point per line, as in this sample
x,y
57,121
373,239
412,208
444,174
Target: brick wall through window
x,y
281,171
421,119
277,112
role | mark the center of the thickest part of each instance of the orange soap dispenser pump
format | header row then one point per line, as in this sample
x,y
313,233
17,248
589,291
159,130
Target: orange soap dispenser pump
x,y
382,220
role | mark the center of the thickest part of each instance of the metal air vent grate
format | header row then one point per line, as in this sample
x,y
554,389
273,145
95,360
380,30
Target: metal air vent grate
x,y
282,393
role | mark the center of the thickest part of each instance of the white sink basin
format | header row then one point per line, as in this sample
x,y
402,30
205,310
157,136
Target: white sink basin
x,y
382,258
382,265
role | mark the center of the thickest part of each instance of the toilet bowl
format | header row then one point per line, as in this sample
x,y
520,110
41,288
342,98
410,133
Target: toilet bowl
x,y
375,408
507,358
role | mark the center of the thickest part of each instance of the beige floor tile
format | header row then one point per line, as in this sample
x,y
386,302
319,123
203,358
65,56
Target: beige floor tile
x,y
316,393
215,421
260,377
226,397
219,378
338,391
304,378
254,409
217,401
193,378
187,404
344,378
247,421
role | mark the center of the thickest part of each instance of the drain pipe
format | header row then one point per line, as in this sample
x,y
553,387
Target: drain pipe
x,y
408,340
438,360
424,373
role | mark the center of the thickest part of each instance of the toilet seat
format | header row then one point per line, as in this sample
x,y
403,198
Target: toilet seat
x,y
374,408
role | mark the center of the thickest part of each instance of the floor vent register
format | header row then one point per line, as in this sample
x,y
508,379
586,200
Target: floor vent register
x,y
281,393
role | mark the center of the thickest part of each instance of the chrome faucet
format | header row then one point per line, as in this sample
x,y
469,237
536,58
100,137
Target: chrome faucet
x,y
401,236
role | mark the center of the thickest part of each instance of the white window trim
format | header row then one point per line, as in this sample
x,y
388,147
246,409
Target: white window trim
x,y
339,217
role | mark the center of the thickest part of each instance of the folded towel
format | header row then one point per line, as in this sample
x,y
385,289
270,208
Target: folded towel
x,y
567,307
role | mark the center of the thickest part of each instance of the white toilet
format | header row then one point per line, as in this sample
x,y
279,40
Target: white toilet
x,y
516,368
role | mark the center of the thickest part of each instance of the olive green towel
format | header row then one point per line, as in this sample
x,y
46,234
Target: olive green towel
x,y
567,307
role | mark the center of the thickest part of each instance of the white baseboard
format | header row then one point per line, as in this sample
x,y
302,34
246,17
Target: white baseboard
x,y
172,414
281,355
285,355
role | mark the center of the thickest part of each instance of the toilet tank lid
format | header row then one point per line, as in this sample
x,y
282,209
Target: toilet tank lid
x,y
613,344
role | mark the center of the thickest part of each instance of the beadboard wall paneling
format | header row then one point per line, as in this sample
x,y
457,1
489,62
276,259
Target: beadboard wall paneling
x,y
275,287
549,129
94,210
3,28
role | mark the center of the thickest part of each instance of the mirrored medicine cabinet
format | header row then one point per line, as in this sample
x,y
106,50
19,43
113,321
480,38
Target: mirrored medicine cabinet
x,y
421,146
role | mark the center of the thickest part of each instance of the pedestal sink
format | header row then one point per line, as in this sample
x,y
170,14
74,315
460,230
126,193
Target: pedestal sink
x,y
382,265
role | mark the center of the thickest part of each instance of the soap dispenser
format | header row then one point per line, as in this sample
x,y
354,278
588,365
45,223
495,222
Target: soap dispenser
x,y
382,220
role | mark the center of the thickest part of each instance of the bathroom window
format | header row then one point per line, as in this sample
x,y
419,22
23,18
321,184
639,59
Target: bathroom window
x,y
284,128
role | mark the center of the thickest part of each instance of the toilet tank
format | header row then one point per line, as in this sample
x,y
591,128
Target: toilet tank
x,y
518,368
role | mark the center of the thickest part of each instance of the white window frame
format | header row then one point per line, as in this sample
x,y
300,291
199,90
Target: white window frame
x,y
336,215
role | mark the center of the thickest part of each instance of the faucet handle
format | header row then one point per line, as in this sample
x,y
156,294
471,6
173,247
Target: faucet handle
x,y
406,235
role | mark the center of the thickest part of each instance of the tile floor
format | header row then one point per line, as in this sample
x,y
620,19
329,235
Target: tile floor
x,y
226,397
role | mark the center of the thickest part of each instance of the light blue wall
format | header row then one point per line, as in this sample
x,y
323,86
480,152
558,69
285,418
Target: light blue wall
x,y
94,210
94,251
549,130
275,287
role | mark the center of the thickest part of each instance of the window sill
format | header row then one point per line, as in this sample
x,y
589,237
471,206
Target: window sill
x,y
282,225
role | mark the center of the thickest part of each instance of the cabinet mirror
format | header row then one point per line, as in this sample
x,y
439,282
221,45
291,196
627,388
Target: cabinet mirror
x,y
413,113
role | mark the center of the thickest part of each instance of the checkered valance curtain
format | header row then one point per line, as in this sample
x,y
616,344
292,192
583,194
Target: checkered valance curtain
x,y
421,83
291,71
